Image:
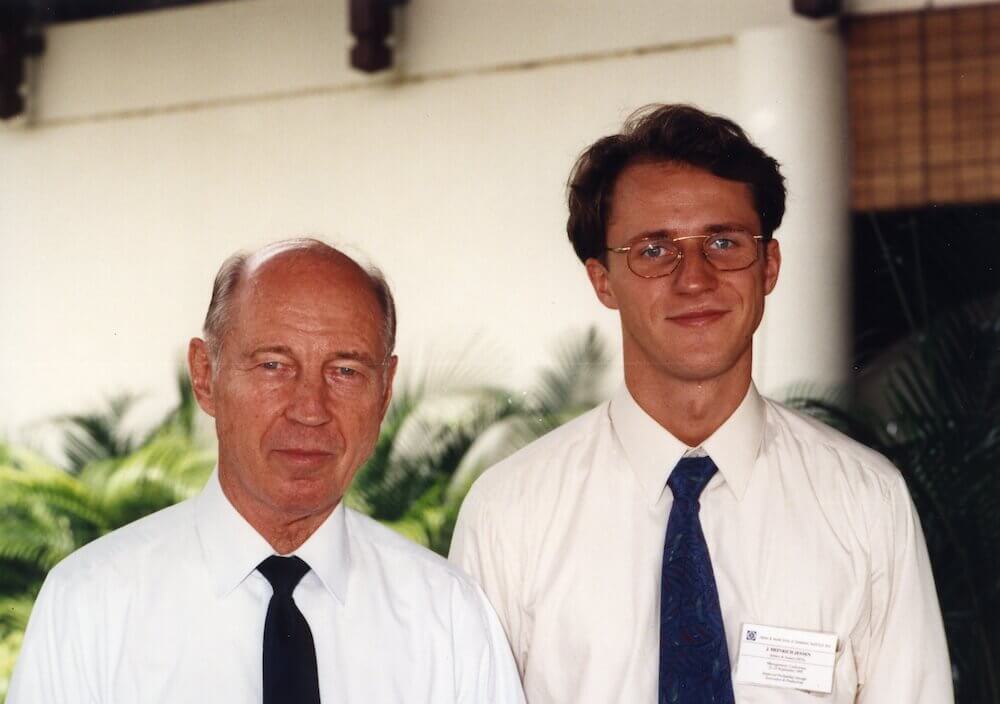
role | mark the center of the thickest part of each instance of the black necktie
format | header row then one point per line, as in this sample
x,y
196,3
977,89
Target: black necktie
x,y
290,675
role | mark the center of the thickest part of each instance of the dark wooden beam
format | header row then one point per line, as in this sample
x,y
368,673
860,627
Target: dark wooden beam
x,y
54,11
816,9
21,23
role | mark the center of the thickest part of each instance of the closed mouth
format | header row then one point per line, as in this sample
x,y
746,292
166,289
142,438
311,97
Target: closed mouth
x,y
697,317
302,453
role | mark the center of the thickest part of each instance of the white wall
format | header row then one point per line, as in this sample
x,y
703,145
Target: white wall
x,y
137,178
160,143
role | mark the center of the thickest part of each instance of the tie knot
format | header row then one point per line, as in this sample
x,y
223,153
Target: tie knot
x,y
284,573
690,477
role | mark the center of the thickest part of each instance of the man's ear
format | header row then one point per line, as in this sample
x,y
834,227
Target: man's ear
x,y
772,265
200,368
598,275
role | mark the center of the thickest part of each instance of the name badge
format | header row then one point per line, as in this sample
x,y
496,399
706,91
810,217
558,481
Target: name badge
x,y
785,657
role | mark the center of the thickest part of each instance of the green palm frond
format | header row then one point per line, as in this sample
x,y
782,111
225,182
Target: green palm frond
x,y
47,486
940,403
574,382
435,441
45,514
97,435
182,418
570,387
10,646
430,520
14,612
364,492
169,469
20,457
36,540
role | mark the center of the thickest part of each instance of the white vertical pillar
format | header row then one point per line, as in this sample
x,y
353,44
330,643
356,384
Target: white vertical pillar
x,y
793,102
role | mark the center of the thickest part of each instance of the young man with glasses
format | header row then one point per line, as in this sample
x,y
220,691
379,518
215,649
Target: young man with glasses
x,y
691,541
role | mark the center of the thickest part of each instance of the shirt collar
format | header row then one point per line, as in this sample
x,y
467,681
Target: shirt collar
x,y
653,451
328,552
233,548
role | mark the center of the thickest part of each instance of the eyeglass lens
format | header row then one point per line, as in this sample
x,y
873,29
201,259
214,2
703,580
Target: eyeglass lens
x,y
726,251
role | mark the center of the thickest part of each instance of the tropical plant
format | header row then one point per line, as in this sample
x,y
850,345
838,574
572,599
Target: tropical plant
x,y
436,439
111,479
937,421
101,434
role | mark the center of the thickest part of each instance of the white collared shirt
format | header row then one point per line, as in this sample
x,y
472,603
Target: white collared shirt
x,y
171,609
806,529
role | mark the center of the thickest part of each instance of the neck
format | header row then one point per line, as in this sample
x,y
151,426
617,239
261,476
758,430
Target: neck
x,y
284,532
690,409
287,537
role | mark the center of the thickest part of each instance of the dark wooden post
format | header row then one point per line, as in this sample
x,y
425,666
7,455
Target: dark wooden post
x,y
371,25
17,43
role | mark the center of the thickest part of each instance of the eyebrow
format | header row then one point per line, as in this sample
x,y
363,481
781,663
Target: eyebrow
x,y
356,356
712,229
270,349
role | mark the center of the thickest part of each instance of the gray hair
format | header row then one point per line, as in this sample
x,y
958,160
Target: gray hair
x,y
235,268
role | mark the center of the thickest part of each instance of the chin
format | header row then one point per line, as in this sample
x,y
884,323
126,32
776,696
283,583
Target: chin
x,y
306,496
694,371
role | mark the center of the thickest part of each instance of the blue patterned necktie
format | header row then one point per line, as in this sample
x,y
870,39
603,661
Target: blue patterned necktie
x,y
694,659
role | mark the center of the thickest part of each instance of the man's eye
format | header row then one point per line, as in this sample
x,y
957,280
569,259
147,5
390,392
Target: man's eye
x,y
271,365
653,250
722,243
732,240
346,371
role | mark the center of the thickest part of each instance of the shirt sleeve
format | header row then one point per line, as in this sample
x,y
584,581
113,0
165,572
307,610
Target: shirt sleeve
x,y
485,671
479,550
54,666
908,660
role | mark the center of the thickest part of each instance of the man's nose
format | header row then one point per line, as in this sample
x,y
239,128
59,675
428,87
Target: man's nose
x,y
309,402
694,273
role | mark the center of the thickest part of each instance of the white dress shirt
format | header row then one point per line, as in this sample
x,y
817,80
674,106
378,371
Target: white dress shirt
x,y
806,529
171,609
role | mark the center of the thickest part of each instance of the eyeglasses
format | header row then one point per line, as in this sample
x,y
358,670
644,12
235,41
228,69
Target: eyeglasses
x,y
652,257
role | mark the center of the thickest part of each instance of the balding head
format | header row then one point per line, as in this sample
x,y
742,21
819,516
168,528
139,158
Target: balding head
x,y
297,372
243,266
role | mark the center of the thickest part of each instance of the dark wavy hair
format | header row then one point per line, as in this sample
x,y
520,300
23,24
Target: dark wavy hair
x,y
668,133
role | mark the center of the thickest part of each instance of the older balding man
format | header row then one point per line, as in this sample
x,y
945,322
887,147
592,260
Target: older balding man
x,y
266,587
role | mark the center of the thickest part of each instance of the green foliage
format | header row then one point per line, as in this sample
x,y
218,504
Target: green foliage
x,y
937,422
435,441
10,645
90,437
47,512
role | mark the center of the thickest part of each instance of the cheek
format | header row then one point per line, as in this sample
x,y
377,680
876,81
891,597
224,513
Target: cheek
x,y
246,408
752,302
638,298
359,418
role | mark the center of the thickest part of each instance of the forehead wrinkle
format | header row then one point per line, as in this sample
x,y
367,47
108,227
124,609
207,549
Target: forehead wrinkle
x,y
293,323
298,286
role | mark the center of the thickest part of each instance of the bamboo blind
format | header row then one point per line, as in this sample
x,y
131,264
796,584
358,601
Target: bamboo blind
x,y
924,91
